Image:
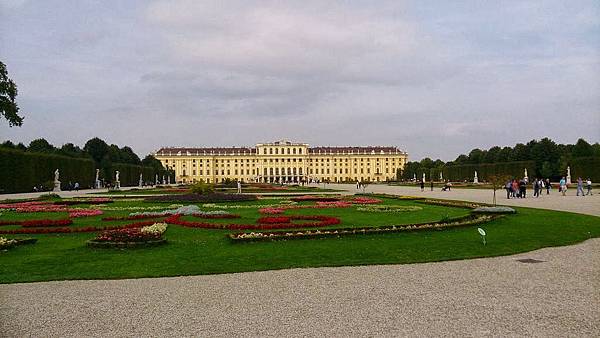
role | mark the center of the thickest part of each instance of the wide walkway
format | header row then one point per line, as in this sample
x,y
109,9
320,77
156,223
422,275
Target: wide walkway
x,y
585,205
502,297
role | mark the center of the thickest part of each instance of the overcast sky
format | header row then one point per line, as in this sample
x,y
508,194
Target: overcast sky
x,y
435,78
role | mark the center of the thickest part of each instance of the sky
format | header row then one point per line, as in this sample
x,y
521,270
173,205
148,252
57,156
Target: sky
x,y
435,78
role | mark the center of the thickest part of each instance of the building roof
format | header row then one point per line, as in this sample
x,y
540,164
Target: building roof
x,y
354,150
187,151
170,151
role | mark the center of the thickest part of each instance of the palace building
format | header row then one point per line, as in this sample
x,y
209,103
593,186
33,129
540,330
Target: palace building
x,y
283,162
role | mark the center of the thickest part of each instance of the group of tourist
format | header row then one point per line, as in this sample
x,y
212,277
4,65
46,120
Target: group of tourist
x,y
518,188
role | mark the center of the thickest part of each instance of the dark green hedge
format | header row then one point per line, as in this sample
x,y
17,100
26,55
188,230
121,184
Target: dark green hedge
x,y
21,171
586,167
129,174
484,170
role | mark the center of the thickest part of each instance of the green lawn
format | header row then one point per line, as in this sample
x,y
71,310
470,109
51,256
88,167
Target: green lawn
x,y
199,251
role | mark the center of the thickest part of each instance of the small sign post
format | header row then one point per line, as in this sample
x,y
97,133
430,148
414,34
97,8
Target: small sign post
x,y
482,233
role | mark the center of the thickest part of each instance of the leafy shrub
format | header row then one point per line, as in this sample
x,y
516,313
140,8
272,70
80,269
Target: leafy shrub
x,y
202,188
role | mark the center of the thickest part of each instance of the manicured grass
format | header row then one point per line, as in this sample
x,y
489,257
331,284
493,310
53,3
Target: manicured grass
x,y
200,251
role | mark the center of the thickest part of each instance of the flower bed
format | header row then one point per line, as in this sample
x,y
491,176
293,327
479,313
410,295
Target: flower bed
x,y
64,230
197,198
6,243
320,221
365,200
39,222
389,208
273,220
133,237
454,204
89,201
494,210
84,213
271,210
312,198
313,234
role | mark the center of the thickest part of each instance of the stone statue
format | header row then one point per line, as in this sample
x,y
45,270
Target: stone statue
x,y
423,177
415,177
475,179
97,182
164,181
441,177
141,181
117,182
156,179
56,181
169,179
526,176
568,175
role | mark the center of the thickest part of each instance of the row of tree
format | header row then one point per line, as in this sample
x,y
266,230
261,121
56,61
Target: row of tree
x,y
33,165
548,159
96,149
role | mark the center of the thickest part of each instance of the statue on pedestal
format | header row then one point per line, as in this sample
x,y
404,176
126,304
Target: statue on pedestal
x,y
117,182
56,181
569,175
475,179
141,181
97,182
423,177
441,177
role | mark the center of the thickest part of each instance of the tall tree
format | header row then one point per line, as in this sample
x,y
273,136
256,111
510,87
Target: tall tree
x,y
582,149
8,94
40,145
97,149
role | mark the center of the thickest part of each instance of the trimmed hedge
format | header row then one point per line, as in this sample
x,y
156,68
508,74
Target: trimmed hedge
x,y
463,172
21,171
585,167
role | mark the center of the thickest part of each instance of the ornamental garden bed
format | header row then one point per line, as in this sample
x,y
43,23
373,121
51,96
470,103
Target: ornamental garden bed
x,y
6,243
130,238
198,198
100,244
338,232
205,241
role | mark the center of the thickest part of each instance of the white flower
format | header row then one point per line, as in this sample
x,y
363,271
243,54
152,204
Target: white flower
x,y
155,229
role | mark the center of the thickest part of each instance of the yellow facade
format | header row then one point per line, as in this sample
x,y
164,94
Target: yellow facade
x,y
283,161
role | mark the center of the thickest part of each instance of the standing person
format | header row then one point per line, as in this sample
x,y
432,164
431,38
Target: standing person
x,y
589,186
535,188
357,185
515,188
523,188
431,184
580,186
548,185
239,187
562,186
422,186
508,187
76,186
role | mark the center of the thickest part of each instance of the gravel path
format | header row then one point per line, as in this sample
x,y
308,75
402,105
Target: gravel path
x,y
480,297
